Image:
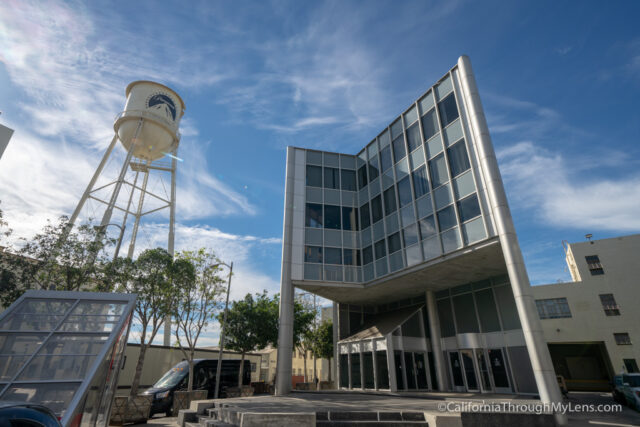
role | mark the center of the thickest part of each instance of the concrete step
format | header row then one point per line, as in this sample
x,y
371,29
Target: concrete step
x,y
354,423
191,424
370,416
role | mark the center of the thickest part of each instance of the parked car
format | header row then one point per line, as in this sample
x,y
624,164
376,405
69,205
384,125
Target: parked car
x,y
617,393
631,389
22,414
177,378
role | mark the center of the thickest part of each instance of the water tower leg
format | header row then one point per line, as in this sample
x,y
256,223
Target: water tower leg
x,y
134,233
170,246
126,215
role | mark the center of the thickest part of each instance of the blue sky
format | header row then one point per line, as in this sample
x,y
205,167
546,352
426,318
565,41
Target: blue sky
x,y
559,81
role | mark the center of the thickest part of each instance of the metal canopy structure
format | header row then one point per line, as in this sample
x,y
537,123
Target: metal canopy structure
x,y
64,350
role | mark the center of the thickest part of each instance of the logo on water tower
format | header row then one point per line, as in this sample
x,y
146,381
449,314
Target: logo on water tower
x,y
163,105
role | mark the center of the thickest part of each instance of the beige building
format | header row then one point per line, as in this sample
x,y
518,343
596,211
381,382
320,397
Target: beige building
x,y
269,360
592,325
159,359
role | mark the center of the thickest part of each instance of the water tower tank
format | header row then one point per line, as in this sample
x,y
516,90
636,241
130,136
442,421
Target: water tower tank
x,y
161,108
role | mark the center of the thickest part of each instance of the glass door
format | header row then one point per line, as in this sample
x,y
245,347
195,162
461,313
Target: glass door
x,y
410,370
469,370
456,371
484,370
499,370
421,370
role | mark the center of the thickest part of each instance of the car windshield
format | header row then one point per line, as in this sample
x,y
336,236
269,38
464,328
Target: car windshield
x,y
634,381
173,376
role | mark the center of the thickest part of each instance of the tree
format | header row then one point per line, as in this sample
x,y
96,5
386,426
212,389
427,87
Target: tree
x,y
324,342
303,316
249,326
197,302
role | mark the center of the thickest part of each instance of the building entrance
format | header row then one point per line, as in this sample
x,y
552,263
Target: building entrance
x,y
479,370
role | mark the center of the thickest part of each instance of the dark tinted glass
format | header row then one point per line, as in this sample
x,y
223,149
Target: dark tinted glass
x,y
332,217
458,159
367,255
349,218
348,181
446,218
364,216
332,256
413,137
381,249
429,124
394,242
313,254
398,149
390,200
385,158
404,191
374,168
468,208
448,110
376,209
362,177
313,217
427,226
314,176
420,182
351,257
438,169
410,235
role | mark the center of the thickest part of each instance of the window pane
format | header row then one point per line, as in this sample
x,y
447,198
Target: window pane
x,y
396,128
351,257
442,196
376,209
465,310
427,226
404,191
332,217
399,152
424,206
413,137
367,255
374,168
448,110
458,159
381,249
313,254
313,218
468,208
394,243
410,116
364,216
438,169
314,176
410,235
385,158
362,177
390,201
348,180
447,218
349,218
332,256
407,215
331,178
420,182
429,124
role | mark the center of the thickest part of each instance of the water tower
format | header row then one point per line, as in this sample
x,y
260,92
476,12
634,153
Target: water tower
x,y
148,132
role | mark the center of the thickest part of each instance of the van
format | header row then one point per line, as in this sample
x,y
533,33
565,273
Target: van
x,y
177,378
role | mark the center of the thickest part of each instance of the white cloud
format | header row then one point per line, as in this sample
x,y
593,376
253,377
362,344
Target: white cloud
x,y
545,182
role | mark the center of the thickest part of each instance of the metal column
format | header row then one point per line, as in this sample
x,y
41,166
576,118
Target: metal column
x,y
434,335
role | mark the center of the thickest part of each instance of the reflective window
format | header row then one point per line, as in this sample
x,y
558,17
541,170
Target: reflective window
x,y
362,177
447,218
399,152
595,267
364,216
410,235
376,209
381,249
348,180
427,226
349,218
332,256
468,208
394,242
420,182
385,158
367,255
429,124
313,254
438,168
553,308
314,176
413,137
404,191
374,168
410,116
396,128
390,200
448,110
332,217
332,178
458,159
313,217
351,257
424,206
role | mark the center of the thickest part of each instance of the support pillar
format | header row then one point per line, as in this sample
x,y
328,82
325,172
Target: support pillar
x,y
285,329
531,327
436,347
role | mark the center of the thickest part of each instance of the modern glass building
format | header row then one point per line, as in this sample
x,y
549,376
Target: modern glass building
x,y
413,241
63,350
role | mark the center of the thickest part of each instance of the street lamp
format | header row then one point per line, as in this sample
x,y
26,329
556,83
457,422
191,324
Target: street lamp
x,y
224,323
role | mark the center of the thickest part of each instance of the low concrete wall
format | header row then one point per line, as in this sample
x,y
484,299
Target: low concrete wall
x,y
256,419
498,419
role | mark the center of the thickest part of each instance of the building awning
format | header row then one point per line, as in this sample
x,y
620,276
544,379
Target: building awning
x,y
382,325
